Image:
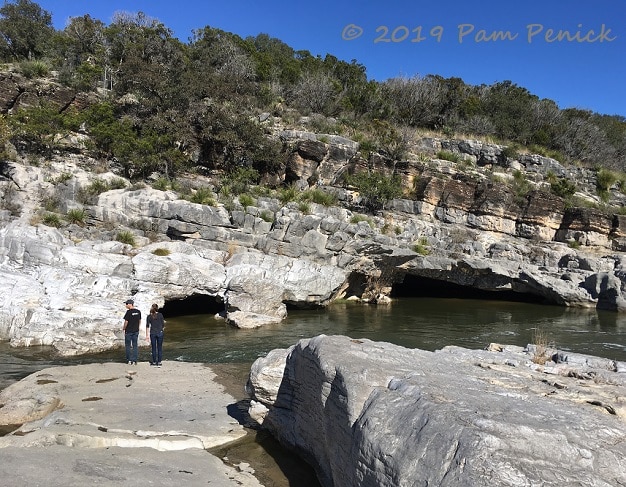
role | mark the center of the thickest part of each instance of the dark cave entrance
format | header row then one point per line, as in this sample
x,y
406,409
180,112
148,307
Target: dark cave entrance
x,y
425,287
195,304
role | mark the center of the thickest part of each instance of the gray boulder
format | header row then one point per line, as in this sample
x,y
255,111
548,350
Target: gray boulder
x,y
375,414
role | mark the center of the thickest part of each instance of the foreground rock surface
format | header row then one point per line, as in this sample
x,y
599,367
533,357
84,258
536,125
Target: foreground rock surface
x,y
114,424
375,414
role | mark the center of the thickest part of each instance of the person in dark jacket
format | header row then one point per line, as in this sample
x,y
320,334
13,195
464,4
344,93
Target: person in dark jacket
x,y
132,319
155,324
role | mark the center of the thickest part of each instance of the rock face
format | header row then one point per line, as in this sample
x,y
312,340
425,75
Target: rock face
x,y
117,425
465,225
375,414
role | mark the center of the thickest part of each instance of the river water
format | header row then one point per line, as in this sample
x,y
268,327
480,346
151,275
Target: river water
x,y
427,323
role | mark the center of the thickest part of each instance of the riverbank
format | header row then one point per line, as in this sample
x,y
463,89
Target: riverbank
x,y
271,464
124,425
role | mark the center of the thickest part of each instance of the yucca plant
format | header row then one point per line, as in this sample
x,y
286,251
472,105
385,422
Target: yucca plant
x,y
52,220
246,200
125,237
76,215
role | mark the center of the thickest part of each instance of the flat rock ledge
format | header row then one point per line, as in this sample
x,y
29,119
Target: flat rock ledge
x,y
119,425
366,413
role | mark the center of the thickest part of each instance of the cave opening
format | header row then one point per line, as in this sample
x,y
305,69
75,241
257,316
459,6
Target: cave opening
x,y
425,287
193,305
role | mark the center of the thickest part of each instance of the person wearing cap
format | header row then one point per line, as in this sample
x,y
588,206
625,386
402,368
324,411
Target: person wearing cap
x,y
132,318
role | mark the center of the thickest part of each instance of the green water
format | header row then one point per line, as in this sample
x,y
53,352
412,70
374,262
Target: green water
x,y
428,323
411,322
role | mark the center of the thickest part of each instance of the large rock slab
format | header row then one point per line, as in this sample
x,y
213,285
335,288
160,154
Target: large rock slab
x,y
62,466
118,424
376,414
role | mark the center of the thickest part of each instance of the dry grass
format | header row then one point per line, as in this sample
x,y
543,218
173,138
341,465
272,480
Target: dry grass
x,y
542,343
232,249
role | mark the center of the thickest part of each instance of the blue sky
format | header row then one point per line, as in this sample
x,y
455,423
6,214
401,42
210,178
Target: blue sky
x,y
479,42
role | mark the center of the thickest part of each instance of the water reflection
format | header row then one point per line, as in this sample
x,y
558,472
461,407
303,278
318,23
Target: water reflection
x,y
427,323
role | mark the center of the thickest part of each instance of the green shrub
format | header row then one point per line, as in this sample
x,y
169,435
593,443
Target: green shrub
x,y
137,185
320,197
87,194
51,203
511,152
203,196
34,69
544,151
621,182
290,193
604,195
466,164
367,147
229,205
304,207
52,220
376,189
448,156
161,252
76,215
578,202
246,200
267,216
98,186
565,188
421,246
62,178
239,180
361,218
496,179
521,186
605,179
162,184
125,237
117,183
260,191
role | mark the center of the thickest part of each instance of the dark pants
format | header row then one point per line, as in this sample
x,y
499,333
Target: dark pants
x,y
157,347
130,340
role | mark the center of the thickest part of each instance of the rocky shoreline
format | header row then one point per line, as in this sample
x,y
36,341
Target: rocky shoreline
x,y
361,413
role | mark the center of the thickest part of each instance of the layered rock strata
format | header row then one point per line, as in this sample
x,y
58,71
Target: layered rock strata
x,y
463,225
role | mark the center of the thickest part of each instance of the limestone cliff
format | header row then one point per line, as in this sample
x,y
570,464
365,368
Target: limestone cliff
x,y
471,215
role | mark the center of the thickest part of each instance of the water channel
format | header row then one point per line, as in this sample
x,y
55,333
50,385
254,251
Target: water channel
x,y
414,322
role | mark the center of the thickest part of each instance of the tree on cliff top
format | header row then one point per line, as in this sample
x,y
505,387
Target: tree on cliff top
x,y
200,97
25,30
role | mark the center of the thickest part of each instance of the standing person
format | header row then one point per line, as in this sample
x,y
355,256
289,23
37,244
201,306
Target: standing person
x,y
132,318
155,324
